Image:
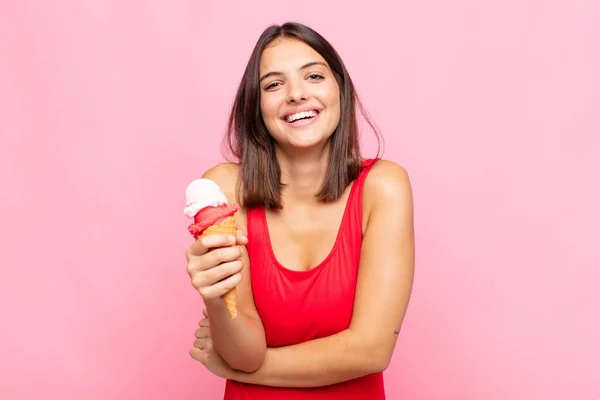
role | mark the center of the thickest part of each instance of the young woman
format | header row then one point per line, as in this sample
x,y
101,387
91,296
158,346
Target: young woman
x,y
325,256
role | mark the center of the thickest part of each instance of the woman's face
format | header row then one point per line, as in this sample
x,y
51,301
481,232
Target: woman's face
x,y
299,95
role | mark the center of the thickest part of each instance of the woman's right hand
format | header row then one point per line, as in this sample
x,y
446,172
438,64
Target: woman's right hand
x,y
214,264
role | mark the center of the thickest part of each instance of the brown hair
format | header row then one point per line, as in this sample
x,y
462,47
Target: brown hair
x,y
249,141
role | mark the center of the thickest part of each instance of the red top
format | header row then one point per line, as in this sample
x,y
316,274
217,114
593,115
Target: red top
x,y
298,306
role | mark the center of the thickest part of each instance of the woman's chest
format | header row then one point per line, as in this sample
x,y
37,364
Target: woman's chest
x,y
303,237
299,306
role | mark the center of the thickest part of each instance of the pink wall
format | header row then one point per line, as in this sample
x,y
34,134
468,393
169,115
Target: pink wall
x,y
109,108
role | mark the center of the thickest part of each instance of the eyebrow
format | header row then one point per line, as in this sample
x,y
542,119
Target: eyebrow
x,y
307,65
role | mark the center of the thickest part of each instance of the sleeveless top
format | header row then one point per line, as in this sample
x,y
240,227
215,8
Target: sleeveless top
x,y
298,306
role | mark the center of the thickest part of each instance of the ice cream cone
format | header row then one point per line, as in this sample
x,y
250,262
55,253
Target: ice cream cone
x,y
207,205
225,227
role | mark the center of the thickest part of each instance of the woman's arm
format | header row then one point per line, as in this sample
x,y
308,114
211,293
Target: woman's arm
x,y
240,341
383,290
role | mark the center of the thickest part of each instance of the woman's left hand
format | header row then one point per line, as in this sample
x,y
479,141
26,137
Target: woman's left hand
x,y
203,351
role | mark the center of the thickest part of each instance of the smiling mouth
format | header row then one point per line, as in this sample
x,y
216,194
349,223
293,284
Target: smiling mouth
x,y
301,116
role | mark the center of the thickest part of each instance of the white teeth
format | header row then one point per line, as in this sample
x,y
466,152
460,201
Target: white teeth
x,y
303,114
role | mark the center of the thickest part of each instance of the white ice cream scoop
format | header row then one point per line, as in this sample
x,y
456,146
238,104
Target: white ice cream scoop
x,y
202,193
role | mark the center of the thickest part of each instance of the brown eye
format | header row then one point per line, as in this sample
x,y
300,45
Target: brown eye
x,y
272,85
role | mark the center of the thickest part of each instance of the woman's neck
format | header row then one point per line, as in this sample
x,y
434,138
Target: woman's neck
x,y
303,173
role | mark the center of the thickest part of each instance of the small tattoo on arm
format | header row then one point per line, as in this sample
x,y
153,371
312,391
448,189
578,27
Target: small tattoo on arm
x,y
396,332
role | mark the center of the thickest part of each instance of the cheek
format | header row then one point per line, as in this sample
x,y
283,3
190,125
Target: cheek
x,y
270,113
330,95
264,108
269,107
333,103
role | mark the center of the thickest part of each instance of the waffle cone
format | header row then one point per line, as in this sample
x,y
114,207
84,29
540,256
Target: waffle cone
x,y
225,227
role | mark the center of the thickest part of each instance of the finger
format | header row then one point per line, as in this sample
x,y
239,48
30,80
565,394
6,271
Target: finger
x,y
222,271
223,255
202,333
200,263
216,274
196,249
228,261
214,258
204,323
240,238
201,344
205,312
197,354
204,243
220,288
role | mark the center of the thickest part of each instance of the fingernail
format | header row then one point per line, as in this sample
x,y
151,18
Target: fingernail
x,y
230,239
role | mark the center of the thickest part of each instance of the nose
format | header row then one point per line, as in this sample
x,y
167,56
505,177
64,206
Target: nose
x,y
297,91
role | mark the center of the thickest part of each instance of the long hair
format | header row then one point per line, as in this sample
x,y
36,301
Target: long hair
x,y
249,141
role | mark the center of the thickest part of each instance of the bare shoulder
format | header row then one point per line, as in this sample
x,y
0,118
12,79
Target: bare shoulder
x,y
387,184
226,176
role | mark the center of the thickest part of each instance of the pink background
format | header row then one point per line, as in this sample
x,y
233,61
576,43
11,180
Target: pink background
x,y
109,108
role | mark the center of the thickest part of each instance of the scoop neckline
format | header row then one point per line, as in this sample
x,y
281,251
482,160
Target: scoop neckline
x,y
331,253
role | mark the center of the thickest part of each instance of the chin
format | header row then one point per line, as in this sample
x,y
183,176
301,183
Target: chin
x,y
301,139
306,139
